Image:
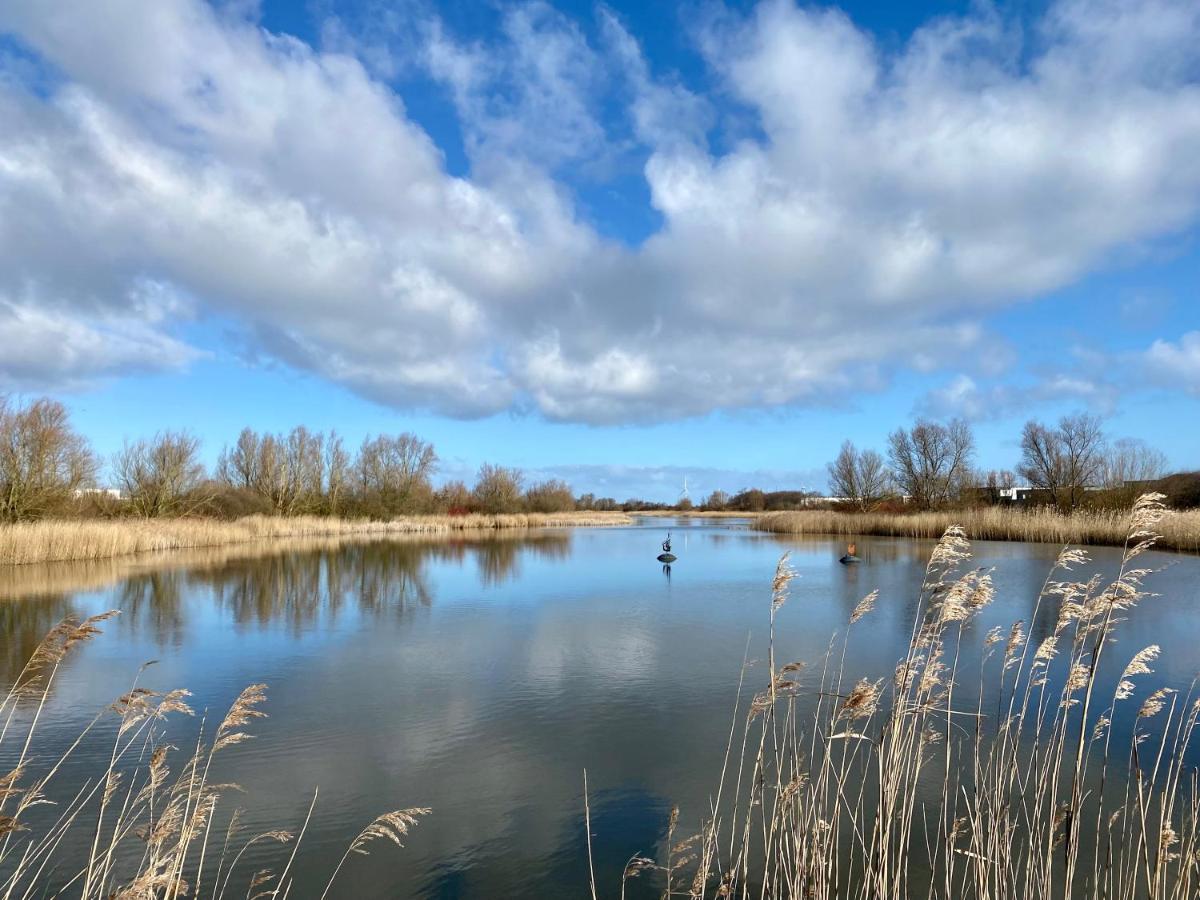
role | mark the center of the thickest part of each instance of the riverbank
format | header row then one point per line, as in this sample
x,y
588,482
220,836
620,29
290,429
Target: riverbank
x,y
72,541
1179,530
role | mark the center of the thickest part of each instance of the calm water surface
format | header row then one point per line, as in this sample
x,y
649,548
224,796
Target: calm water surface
x,y
480,677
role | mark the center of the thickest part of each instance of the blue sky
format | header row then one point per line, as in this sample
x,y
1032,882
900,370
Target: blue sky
x,y
618,243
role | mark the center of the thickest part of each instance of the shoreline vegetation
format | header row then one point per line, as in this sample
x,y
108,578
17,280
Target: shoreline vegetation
x,y
78,540
1036,772
153,833
1178,530
39,579
52,541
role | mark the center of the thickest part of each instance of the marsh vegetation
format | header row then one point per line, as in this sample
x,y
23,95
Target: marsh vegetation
x,y
1010,748
1179,530
1037,775
91,539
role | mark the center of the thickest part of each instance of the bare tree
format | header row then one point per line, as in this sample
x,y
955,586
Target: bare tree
x,y
273,478
454,497
43,461
497,489
160,476
1063,461
337,473
717,500
748,500
994,481
860,477
393,472
300,472
1082,438
1132,462
931,462
843,473
303,478
550,496
1041,458
237,466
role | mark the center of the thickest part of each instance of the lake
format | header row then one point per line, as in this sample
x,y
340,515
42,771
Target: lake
x,y
482,676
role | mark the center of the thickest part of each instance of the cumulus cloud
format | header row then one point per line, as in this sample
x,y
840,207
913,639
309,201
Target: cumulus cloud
x,y
964,396
886,203
45,347
533,96
1176,363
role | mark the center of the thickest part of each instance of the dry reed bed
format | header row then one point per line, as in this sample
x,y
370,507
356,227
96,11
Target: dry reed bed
x,y
1031,776
46,578
1179,530
64,540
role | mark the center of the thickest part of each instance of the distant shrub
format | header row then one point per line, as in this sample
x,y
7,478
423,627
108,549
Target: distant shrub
x,y
1181,489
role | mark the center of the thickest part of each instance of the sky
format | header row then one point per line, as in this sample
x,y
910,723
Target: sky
x,y
621,243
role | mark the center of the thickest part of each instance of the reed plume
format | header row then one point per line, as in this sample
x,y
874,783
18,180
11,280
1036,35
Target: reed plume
x,y
911,784
150,836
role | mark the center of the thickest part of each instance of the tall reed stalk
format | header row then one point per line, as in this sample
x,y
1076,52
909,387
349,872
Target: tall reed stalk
x,y
918,784
147,836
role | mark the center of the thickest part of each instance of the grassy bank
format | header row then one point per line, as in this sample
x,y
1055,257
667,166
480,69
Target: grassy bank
x,y
68,540
1179,530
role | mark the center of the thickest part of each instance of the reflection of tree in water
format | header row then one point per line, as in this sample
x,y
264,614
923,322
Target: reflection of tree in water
x,y
297,587
292,585
499,559
387,576
287,586
153,602
24,623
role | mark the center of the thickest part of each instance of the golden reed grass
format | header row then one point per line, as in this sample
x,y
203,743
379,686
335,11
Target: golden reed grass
x,y
73,540
1178,530
1029,772
148,834
56,577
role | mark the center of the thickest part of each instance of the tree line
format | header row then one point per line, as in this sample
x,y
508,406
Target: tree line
x,y
48,468
1067,464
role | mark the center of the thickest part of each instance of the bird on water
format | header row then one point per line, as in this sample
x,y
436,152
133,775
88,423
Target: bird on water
x,y
667,556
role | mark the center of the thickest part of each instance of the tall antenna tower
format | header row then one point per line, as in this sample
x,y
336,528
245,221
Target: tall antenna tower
x,y
684,495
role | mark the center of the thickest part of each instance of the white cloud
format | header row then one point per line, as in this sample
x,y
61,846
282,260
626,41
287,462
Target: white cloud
x,y
1176,363
889,202
964,396
59,349
531,96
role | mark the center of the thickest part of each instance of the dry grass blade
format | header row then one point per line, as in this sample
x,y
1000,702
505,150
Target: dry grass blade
x,y
244,709
864,606
905,789
390,826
